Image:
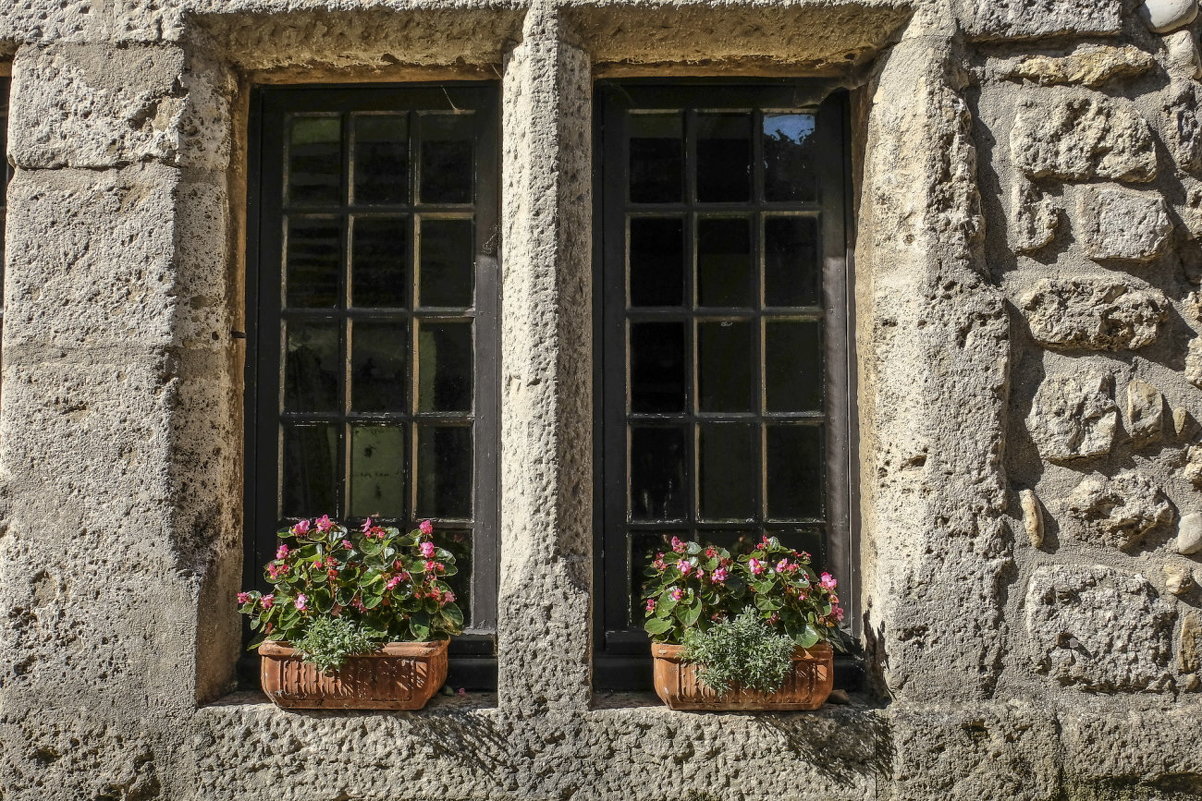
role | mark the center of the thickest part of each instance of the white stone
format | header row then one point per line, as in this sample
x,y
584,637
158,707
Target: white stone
x,y
1078,135
1189,534
1035,217
1073,417
1115,223
1163,16
1032,517
1145,411
1177,578
1183,61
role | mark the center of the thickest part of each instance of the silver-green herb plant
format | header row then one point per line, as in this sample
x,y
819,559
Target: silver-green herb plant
x,y
330,640
743,652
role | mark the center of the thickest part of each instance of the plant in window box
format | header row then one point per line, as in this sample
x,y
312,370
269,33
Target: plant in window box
x,y
357,619
755,631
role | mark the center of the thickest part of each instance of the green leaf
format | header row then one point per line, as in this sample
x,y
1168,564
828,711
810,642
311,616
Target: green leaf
x,y
692,613
809,637
657,626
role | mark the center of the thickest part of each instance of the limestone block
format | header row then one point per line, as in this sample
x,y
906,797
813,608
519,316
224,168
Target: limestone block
x,y
1073,417
1163,16
1181,122
1035,217
1093,314
1081,136
1032,517
1115,223
1193,362
1088,65
1145,411
1184,424
1177,578
1193,465
1018,19
29,21
1189,534
1118,512
1098,628
1183,61
1190,653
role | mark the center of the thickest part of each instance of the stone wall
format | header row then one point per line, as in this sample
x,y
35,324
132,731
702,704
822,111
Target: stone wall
x,y
1028,299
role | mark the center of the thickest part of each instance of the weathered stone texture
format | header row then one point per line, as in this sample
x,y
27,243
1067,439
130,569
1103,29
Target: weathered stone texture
x,y
1120,224
1120,511
1074,418
1088,65
1182,129
1098,629
1093,314
1189,534
1035,217
1145,411
1077,136
1004,19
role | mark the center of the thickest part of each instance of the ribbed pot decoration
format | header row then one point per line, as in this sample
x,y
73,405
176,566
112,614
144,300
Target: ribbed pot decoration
x,y
400,676
806,687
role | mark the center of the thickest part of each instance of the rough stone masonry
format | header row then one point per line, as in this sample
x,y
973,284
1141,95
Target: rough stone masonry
x,y
1028,305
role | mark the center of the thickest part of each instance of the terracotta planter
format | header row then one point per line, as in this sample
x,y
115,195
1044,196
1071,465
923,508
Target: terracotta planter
x,y
401,675
806,687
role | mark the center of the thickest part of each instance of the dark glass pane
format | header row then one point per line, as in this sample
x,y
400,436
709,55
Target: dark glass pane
x,y
309,471
810,539
656,158
657,370
725,355
459,543
315,160
788,141
657,473
447,262
380,258
793,365
381,158
794,472
729,467
312,366
724,269
447,157
313,259
723,157
444,374
377,471
444,472
378,359
792,274
656,261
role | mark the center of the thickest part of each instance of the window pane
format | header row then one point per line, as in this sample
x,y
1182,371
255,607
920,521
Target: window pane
x,y
793,365
378,366
444,378
377,471
447,157
724,269
657,473
726,353
794,472
313,258
788,157
315,160
791,269
729,467
380,262
381,158
444,472
309,470
723,157
656,158
447,262
656,261
657,369
459,543
312,366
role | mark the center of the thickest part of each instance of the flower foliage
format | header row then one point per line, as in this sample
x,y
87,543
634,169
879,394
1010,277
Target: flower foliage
x,y
743,652
390,585
328,641
695,586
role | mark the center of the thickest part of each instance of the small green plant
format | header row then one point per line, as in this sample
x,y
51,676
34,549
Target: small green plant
x,y
330,640
743,652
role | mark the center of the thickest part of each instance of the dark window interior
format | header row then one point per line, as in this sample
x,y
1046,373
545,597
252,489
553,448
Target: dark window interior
x,y
722,378
372,312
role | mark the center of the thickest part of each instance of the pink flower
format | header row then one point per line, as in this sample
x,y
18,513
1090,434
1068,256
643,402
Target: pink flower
x,y
366,527
357,602
434,567
392,582
700,574
755,566
782,566
301,601
676,594
839,613
650,607
678,545
828,582
281,552
685,567
448,597
426,527
461,692
301,528
324,523
710,552
718,576
427,549
347,544
268,601
244,598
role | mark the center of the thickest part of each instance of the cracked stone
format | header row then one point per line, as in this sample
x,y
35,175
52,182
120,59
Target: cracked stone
x,y
1145,411
1115,223
1119,512
1081,137
1073,418
1036,217
1093,314
1088,65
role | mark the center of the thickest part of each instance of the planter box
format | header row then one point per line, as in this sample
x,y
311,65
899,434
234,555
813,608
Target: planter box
x,y
806,687
401,675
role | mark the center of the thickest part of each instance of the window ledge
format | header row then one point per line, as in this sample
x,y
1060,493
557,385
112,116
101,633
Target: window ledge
x,y
858,704
254,702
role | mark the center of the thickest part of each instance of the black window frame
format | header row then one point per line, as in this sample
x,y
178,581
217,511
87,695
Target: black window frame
x,y
473,665
621,655
6,174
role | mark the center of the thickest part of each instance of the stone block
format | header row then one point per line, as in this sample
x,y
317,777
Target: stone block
x,y
1029,19
1181,124
1189,534
1113,223
1088,65
1099,629
31,21
1118,512
1145,412
1093,314
1073,417
1081,136
1189,655
1035,217
1164,16
1193,465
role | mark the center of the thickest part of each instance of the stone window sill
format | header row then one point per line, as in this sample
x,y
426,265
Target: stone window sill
x,y
243,702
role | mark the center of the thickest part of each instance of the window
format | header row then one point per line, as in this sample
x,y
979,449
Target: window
x,y
723,326
372,349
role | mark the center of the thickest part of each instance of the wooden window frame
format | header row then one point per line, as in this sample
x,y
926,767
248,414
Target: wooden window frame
x,y
621,655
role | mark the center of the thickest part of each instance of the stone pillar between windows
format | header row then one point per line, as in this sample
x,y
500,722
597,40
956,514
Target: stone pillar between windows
x,y
544,620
